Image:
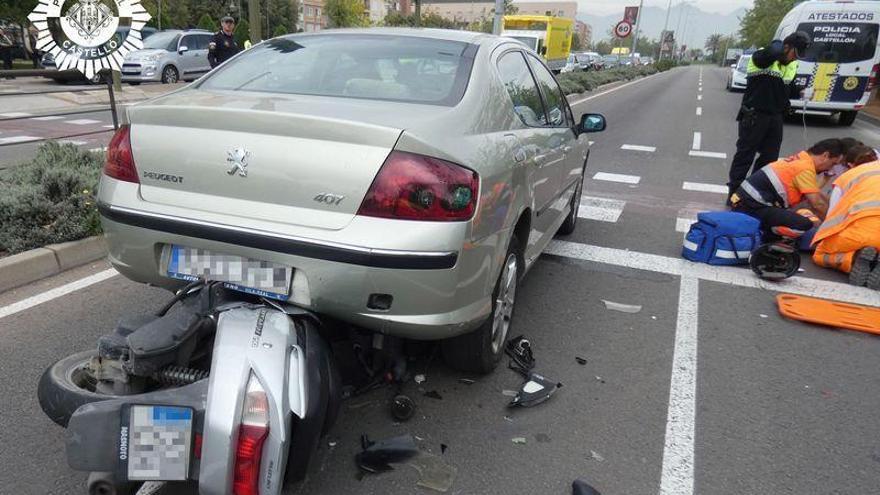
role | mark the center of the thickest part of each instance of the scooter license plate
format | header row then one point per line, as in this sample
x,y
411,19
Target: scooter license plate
x,y
155,442
262,278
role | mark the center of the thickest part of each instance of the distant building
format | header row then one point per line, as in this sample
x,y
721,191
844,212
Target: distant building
x,y
468,12
585,33
313,18
375,10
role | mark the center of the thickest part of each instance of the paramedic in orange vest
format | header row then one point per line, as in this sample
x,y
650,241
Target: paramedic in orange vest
x,y
769,193
849,238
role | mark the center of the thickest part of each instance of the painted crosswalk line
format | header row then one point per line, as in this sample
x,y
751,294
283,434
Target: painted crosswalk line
x,y
699,186
707,154
636,147
600,209
18,139
626,179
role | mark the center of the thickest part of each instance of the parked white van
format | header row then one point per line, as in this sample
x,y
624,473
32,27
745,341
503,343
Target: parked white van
x,y
841,64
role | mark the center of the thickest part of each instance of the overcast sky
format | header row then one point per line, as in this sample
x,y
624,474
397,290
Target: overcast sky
x,y
603,7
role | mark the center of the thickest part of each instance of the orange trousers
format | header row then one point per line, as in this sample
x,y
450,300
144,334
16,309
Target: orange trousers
x,y
838,251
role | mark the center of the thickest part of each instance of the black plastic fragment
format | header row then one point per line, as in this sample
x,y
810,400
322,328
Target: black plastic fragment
x,y
443,448
581,361
580,487
377,457
402,408
433,394
520,351
534,391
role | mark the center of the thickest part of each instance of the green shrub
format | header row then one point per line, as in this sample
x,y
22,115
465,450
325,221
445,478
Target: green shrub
x,y
50,199
578,82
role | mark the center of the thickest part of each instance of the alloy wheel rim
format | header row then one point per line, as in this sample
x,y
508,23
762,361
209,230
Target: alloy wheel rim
x,y
504,303
170,75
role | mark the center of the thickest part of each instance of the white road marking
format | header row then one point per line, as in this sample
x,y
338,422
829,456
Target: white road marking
x,y
730,275
12,115
75,143
697,140
57,292
601,209
683,224
48,117
82,121
677,473
699,97
699,110
588,98
699,186
708,154
111,127
18,139
636,147
626,179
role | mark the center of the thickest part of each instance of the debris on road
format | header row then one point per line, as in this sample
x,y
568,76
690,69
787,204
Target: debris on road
x,y
596,456
520,351
580,487
420,379
402,408
434,473
534,391
623,308
467,381
830,313
762,315
518,440
600,379
508,393
581,361
377,457
433,394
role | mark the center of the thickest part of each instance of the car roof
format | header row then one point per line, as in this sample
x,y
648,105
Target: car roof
x,y
439,34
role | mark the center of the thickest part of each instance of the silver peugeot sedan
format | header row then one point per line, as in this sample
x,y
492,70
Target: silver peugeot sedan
x,y
169,56
400,180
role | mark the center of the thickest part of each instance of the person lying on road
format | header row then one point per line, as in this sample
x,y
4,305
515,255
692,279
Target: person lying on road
x,y
769,193
849,238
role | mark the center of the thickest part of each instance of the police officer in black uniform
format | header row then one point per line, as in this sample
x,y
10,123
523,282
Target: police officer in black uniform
x,y
222,46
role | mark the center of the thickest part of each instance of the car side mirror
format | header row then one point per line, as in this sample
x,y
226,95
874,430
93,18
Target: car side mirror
x,y
182,49
592,122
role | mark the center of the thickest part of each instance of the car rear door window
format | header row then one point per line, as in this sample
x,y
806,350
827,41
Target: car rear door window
x,y
189,42
522,89
201,42
553,98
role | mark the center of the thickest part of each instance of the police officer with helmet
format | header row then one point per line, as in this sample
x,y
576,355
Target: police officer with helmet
x,y
770,76
222,46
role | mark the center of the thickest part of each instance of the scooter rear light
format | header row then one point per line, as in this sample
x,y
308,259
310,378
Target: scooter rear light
x,y
418,187
120,161
251,436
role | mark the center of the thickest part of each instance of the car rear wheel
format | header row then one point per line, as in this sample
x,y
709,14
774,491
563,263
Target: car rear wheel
x,y
847,118
170,75
481,350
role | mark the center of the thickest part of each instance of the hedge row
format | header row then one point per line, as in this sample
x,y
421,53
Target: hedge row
x,y
579,82
49,199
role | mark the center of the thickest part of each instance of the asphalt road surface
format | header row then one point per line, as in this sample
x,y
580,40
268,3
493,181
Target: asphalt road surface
x,y
705,390
21,133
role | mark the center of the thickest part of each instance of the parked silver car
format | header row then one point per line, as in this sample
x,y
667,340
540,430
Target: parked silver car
x,y
736,80
401,180
169,56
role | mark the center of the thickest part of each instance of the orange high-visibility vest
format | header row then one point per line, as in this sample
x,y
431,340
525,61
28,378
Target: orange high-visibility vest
x,y
860,188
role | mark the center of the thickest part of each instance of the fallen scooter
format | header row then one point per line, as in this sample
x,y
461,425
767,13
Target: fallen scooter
x,y
224,389
777,259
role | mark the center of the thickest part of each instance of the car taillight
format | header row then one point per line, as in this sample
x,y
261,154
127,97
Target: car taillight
x,y
251,435
120,162
872,81
417,187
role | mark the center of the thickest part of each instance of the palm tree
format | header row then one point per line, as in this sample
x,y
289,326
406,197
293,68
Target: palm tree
x,y
713,43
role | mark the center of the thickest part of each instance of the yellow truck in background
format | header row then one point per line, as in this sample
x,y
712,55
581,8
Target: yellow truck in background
x,y
549,36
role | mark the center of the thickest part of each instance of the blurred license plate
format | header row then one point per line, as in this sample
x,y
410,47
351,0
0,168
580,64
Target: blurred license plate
x,y
155,442
262,278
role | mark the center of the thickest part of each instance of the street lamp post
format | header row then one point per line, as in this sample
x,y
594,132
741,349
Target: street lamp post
x,y
498,23
663,33
632,52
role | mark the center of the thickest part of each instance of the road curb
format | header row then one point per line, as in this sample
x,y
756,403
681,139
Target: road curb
x,y
36,264
868,118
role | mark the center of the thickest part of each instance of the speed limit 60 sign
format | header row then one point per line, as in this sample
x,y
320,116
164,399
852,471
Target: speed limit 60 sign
x,y
623,29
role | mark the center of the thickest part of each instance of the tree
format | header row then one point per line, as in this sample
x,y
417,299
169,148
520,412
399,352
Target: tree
x,y
17,10
280,30
242,32
602,47
206,22
713,44
759,23
344,13
431,20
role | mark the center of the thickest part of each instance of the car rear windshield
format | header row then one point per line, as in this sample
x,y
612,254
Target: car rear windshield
x,y
380,67
840,43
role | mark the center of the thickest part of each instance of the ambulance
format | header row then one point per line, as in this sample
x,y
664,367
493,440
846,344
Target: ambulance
x,y
841,64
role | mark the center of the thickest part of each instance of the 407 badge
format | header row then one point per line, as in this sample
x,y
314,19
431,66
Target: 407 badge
x,y
87,35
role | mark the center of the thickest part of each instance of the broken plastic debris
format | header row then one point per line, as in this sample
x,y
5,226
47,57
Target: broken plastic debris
x,y
332,443
518,440
152,488
508,419
580,487
534,391
623,308
402,408
443,448
600,379
467,381
509,393
434,473
520,351
596,456
433,394
653,317
762,315
581,361
377,457
420,379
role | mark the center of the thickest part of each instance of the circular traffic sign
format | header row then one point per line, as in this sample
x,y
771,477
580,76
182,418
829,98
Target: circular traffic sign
x,y
623,29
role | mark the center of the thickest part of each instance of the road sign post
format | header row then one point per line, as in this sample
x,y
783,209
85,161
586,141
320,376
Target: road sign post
x,y
632,52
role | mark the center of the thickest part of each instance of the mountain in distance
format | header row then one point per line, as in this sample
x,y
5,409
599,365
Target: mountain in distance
x,y
700,24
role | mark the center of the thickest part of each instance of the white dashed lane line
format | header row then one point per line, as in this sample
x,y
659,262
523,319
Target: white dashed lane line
x,y
699,97
698,138
683,224
600,209
699,186
699,110
626,179
636,147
